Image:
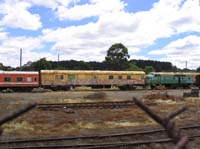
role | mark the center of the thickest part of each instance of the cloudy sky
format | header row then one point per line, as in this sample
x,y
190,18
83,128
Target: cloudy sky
x,y
165,30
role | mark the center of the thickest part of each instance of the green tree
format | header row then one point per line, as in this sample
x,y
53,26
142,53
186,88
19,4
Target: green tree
x,y
117,57
148,69
133,67
1,66
42,64
198,69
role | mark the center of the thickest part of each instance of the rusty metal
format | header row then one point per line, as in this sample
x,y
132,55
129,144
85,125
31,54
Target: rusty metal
x,y
88,105
103,136
17,113
179,140
102,145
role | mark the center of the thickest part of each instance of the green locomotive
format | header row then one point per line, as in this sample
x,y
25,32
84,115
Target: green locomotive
x,y
169,79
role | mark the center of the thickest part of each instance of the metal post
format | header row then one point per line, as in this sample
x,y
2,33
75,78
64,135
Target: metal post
x,y
186,64
58,60
58,57
20,59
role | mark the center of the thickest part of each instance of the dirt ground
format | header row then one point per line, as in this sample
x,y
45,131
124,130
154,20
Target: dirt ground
x,y
38,122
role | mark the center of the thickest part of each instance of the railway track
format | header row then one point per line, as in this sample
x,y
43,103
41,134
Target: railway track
x,y
89,105
98,141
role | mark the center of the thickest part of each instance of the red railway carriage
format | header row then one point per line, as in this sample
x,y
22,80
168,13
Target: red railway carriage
x,y
19,79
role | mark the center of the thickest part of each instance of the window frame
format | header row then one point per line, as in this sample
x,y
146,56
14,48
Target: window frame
x,y
120,77
19,79
59,77
29,79
7,79
110,77
128,77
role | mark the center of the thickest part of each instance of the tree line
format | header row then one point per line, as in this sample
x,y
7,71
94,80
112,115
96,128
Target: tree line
x,y
116,59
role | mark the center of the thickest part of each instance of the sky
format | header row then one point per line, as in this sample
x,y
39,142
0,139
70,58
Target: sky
x,y
163,30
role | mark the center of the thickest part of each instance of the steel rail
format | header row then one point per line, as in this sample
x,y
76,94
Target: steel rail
x,y
145,132
104,145
87,105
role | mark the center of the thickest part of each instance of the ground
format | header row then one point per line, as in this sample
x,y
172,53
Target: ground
x,y
38,122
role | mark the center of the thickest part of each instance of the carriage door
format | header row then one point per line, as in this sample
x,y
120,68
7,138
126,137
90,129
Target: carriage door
x,y
179,79
71,78
94,79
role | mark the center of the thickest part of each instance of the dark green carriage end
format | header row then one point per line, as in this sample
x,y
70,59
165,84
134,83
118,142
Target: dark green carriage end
x,y
169,80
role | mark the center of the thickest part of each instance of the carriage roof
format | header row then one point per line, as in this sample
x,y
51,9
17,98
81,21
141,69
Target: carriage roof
x,y
175,73
18,72
91,72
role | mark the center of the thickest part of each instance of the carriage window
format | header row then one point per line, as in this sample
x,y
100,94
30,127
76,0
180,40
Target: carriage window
x,y
59,77
35,79
7,79
110,77
128,77
29,79
142,77
119,77
19,79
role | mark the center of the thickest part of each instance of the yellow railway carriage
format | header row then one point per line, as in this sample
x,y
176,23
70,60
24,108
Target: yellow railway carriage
x,y
68,78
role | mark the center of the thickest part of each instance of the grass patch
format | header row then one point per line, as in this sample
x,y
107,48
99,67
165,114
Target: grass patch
x,y
17,128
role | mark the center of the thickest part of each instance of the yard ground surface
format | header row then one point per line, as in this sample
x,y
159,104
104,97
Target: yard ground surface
x,y
38,122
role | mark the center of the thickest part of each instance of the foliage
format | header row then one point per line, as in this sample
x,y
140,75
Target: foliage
x,y
133,67
198,69
5,68
148,69
157,65
71,65
1,66
117,57
41,64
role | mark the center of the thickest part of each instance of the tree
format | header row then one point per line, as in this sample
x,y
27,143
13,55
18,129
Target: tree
x,y
148,69
41,64
117,57
133,67
1,66
198,69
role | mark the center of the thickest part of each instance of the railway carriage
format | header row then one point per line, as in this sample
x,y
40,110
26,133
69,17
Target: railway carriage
x,y
71,78
197,78
169,79
194,76
65,79
18,80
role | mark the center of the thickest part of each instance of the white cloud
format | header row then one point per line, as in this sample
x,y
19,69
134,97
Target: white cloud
x,y
113,25
3,34
182,50
139,57
27,43
94,8
10,48
16,15
53,4
134,30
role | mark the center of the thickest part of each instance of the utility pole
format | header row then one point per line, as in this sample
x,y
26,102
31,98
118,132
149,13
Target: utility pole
x,y
58,57
186,64
20,59
58,60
